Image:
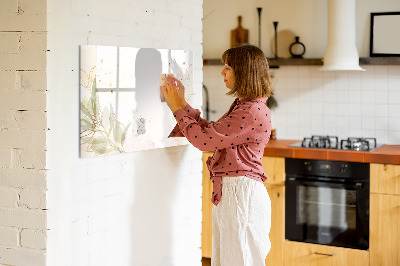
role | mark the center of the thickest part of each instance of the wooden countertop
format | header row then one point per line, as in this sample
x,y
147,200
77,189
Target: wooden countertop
x,y
389,154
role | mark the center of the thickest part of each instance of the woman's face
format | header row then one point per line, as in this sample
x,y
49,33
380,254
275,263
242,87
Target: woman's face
x,y
229,76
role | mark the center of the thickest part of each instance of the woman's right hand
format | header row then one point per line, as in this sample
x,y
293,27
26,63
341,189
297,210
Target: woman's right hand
x,y
181,91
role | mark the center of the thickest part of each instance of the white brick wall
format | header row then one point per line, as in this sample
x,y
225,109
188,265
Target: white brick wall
x,y
141,208
22,132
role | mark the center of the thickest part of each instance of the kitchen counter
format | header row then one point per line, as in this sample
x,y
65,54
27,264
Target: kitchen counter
x,y
389,154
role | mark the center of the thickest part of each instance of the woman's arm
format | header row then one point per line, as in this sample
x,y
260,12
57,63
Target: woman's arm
x,y
239,127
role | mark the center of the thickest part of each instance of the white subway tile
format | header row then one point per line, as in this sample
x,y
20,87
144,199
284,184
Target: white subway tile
x,y
329,109
292,83
382,136
342,122
317,83
381,110
355,122
355,132
329,123
354,80
394,97
355,109
394,110
315,71
342,81
367,133
381,123
304,82
304,72
367,96
394,123
367,110
381,97
394,137
394,83
342,109
380,71
291,71
380,84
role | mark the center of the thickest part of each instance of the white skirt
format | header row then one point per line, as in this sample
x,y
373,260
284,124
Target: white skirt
x,y
241,223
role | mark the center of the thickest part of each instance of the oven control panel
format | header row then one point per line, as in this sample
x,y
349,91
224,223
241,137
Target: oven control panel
x,y
338,169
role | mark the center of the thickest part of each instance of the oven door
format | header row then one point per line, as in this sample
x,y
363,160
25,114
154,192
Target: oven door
x,y
327,213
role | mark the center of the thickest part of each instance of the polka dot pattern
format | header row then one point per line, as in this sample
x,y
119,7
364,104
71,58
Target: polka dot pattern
x,y
238,139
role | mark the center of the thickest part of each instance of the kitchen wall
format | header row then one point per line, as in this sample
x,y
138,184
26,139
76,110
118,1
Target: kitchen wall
x,y
342,103
140,208
23,128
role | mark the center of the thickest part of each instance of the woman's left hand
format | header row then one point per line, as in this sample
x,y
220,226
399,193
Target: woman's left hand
x,y
171,96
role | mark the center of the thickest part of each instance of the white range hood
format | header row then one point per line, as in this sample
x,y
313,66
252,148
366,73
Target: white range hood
x,y
341,51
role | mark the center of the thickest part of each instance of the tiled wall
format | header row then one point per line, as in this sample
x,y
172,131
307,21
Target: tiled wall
x,y
313,102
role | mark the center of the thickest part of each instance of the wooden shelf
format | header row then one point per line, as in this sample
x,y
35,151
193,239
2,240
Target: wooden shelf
x,y
274,63
380,61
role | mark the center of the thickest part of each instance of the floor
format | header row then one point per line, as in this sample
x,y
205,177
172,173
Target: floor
x,y
206,261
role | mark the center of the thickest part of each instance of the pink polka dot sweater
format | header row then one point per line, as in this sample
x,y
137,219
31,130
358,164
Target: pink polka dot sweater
x,y
238,139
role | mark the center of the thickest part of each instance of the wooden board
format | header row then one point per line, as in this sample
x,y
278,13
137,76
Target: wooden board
x,y
384,236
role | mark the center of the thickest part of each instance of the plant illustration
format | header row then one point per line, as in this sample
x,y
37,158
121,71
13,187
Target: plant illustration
x,y
100,129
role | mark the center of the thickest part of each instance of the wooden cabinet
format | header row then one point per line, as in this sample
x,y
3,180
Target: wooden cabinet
x,y
304,254
206,226
274,168
385,178
277,233
385,215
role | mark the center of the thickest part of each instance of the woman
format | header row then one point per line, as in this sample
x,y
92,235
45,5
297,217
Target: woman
x,y
242,208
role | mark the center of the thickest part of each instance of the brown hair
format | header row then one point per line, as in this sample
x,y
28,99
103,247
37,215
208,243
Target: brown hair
x,y
250,66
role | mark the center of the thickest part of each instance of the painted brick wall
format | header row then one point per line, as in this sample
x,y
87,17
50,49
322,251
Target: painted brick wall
x,y
141,208
23,132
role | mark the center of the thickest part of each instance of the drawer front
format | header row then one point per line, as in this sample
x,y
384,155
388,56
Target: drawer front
x,y
297,253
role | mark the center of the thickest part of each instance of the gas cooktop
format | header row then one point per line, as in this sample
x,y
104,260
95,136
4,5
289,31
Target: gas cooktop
x,y
332,142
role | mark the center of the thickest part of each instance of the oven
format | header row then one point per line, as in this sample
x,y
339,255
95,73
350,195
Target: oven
x,y
327,202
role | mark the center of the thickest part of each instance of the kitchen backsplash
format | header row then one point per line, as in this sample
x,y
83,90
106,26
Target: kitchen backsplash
x,y
314,102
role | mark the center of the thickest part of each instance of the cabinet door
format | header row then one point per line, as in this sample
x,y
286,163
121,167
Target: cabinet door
x,y
274,168
385,178
304,254
206,232
384,230
277,233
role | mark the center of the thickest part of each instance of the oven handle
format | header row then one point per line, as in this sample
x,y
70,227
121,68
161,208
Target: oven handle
x,y
357,185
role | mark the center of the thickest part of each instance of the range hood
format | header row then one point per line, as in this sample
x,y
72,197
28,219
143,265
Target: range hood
x,y
341,51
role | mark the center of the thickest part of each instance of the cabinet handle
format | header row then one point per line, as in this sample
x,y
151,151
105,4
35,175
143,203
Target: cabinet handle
x,y
324,254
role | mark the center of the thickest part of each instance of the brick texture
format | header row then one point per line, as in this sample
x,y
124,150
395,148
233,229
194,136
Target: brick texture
x,y
23,126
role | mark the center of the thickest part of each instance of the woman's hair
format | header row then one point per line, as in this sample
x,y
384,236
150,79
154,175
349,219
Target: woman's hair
x,y
250,66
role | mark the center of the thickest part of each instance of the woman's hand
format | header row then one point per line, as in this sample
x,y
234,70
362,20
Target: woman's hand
x,y
172,96
181,91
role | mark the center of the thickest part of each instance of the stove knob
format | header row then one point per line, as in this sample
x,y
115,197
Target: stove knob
x,y
343,168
